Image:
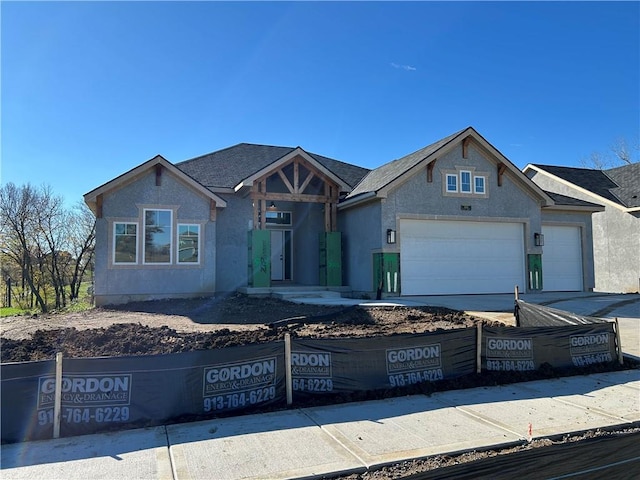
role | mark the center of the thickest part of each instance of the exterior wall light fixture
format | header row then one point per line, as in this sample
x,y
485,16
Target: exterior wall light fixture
x,y
391,236
538,239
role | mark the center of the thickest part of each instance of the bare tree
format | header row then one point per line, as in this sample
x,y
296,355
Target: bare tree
x,y
620,153
18,208
81,234
51,246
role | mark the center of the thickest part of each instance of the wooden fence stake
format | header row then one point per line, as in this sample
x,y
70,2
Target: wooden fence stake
x,y
57,402
287,368
479,349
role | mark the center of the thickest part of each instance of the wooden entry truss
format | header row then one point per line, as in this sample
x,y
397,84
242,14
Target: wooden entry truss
x,y
303,183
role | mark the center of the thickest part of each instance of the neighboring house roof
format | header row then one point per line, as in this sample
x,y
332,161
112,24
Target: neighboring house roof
x,y
379,181
628,180
620,186
91,198
228,168
562,202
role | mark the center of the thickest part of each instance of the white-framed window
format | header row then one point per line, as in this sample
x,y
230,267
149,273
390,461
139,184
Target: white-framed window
x,y
465,181
157,246
452,182
188,243
125,243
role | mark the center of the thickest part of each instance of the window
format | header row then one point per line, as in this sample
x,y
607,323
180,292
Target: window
x,y
452,183
465,181
188,243
125,243
157,236
278,218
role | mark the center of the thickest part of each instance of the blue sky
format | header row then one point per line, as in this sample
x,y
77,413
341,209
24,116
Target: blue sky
x,y
91,90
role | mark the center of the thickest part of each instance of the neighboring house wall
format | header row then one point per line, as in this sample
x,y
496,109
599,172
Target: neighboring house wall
x,y
361,237
124,283
616,239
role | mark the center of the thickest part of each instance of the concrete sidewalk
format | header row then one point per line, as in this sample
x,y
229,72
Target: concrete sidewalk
x,y
312,442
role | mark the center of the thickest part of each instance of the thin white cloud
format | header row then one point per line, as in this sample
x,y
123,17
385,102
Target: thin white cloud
x,y
408,68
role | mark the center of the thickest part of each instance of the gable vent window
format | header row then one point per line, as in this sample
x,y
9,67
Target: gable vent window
x,y
464,183
452,183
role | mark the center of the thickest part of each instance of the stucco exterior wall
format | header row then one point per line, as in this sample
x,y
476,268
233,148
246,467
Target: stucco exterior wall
x,y
233,223
616,240
124,283
361,237
308,221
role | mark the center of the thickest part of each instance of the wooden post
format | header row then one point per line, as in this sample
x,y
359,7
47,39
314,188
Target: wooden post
x,y
479,349
57,402
287,368
516,293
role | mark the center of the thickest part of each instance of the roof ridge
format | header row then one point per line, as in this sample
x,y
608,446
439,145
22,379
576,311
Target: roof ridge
x,y
231,147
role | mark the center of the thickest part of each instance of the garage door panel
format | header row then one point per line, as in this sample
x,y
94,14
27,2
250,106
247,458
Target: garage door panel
x,y
449,257
562,258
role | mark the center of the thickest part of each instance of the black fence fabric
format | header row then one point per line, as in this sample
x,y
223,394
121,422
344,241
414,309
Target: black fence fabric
x,y
19,396
324,366
99,394
530,315
527,348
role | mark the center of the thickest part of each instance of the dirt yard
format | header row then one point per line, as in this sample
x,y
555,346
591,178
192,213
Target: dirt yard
x,y
171,326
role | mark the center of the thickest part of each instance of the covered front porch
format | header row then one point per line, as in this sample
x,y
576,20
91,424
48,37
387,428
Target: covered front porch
x,y
293,239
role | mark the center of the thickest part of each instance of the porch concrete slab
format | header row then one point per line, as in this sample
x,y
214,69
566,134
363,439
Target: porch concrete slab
x,y
521,406
393,430
277,445
140,453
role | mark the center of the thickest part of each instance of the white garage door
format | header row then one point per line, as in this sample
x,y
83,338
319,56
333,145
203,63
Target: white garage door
x,y
561,259
446,257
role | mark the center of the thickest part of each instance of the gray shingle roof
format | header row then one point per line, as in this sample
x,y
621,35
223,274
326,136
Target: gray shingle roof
x,y
228,167
387,173
620,185
628,180
563,200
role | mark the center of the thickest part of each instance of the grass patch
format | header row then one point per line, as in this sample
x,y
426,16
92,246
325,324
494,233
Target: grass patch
x,y
10,311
